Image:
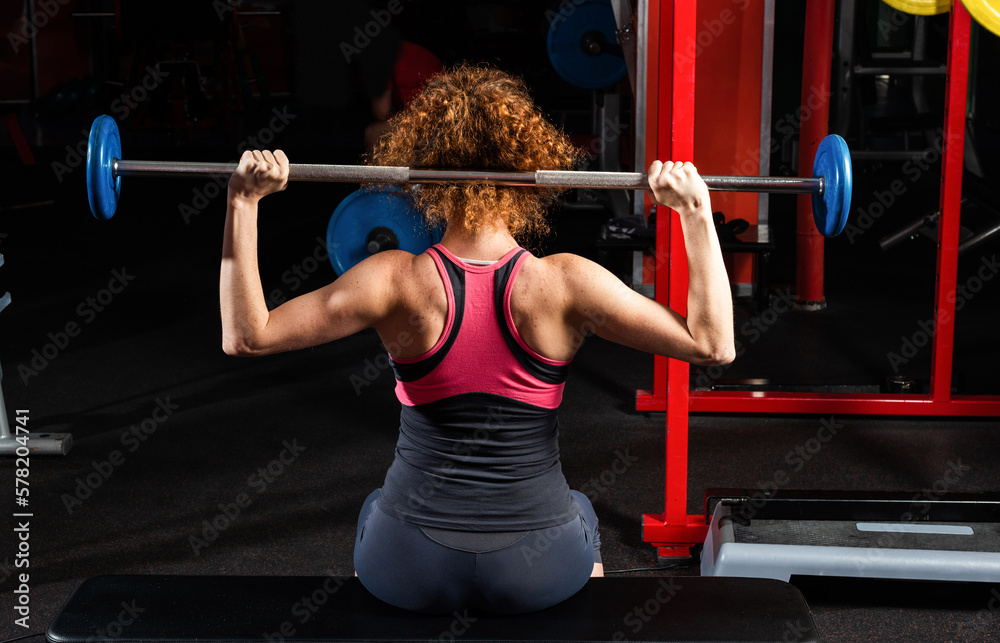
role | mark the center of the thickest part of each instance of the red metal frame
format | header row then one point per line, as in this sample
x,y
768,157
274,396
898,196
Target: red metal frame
x,y
672,25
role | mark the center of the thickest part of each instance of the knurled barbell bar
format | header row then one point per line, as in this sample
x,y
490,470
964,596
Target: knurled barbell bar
x,y
830,184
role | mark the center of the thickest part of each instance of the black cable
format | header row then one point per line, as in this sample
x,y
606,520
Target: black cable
x,y
687,562
26,636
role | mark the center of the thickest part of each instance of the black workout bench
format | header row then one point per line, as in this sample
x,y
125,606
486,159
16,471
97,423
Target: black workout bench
x,y
279,609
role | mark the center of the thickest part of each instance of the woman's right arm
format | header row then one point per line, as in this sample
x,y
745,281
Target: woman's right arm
x,y
619,314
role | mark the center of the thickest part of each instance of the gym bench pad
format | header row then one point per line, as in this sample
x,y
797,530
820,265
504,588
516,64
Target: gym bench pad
x,y
280,609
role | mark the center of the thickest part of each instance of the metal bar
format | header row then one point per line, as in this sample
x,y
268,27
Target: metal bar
x,y
843,76
471,176
843,403
766,94
892,240
112,14
657,112
123,168
786,403
626,36
639,105
637,180
771,184
979,238
893,70
541,178
38,444
883,155
296,172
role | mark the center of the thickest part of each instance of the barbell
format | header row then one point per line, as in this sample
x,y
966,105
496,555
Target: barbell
x,y
830,184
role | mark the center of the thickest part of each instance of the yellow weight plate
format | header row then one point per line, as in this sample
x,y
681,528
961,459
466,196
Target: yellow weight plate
x,y
985,12
920,7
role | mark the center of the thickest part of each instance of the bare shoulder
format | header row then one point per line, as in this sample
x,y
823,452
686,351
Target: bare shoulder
x,y
574,286
389,267
388,279
565,266
579,275
546,274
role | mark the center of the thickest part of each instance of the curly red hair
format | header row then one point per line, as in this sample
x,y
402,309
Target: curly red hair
x,y
477,118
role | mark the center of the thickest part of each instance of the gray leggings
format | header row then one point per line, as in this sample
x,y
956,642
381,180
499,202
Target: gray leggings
x,y
411,567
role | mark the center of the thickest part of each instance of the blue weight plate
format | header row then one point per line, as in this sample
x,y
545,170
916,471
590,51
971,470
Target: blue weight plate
x,y
832,208
103,147
574,22
366,209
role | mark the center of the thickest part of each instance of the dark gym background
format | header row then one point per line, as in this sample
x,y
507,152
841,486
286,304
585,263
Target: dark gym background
x,y
156,344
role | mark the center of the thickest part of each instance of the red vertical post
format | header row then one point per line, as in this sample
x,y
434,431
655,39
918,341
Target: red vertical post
x,y
817,58
679,139
951,201
674,532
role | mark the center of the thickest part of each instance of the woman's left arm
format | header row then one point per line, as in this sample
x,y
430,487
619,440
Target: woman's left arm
x,y
359,299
